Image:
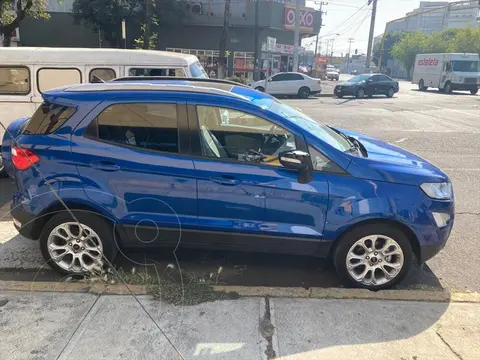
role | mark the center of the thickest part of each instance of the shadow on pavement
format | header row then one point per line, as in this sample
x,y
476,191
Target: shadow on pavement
x,y
433,91
7,188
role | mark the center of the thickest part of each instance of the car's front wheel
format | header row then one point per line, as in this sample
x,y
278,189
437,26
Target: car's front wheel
x,y
390,93
474,91
82,247
360,94
373,256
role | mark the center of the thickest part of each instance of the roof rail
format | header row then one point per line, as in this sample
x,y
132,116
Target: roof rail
x,y
142,86
169,78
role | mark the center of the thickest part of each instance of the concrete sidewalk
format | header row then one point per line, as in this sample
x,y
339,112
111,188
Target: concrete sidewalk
x,y
59,325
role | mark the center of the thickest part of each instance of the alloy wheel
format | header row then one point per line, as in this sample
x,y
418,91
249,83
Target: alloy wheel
x,y
360,93
75,248
375,260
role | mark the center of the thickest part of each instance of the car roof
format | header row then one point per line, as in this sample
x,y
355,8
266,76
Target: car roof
x,y
161,86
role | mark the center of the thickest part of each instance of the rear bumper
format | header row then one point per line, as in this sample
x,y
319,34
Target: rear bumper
x,y
23,220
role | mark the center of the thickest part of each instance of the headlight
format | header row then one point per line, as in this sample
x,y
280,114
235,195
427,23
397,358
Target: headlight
x,y
439,191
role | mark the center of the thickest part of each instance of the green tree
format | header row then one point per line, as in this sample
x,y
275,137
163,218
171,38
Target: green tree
x,y
406,50
382,50
12,13
467,41
107,16
441,41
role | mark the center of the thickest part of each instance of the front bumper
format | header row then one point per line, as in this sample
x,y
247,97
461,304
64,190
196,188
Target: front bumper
x,y
344,90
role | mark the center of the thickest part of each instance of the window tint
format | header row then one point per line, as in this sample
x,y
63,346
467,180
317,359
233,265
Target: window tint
x,y
234,135
48,118
144,125
156,72
280,77
14,80
52,78
322,163
384,78
104,74
375,78
294,77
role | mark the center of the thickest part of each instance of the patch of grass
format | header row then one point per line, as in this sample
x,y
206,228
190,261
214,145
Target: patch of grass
x,y
163,287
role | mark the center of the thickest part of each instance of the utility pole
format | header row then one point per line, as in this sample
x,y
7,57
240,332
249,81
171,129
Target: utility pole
x,y
148,25
256,56
296,35
331,50
223,41
320,28
370,37
350,41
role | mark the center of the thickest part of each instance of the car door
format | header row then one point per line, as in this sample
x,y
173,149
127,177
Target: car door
x,y
275,84
295,82
130,155
246,199
371,85
384,84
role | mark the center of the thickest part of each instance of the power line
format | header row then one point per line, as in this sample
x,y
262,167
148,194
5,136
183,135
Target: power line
x,y
347,19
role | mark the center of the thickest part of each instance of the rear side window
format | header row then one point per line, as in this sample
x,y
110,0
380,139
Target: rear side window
x,y
48,118
150,126
104,74
177,72
294,77
50,78
14,80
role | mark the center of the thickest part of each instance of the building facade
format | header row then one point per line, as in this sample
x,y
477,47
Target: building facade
x,y
200,33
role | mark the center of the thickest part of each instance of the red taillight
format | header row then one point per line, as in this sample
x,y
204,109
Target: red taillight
x,y
23,159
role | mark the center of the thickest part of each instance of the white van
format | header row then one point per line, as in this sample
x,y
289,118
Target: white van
x,y
447,72
26,72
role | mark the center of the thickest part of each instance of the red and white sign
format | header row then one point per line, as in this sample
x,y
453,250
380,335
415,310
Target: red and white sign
x,y
307,18
428,62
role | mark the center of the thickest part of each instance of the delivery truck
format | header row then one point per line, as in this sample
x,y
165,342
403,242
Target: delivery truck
x,y
447,72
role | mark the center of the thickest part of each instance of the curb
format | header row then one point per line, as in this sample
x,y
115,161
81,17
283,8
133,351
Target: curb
x,y
254,291
323,95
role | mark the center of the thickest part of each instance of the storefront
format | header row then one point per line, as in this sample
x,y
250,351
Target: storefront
x,y
208,58
243,64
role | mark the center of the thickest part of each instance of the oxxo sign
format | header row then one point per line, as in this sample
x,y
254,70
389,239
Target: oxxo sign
x,y
307,18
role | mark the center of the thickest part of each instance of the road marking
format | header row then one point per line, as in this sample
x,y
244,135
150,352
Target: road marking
x,y
457,111
401,140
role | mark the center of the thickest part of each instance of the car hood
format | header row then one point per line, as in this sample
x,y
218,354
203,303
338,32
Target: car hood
x,y
390,163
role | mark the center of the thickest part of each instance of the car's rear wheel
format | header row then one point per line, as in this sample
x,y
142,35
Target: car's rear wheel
x,y
421,85
304,92
82,247
340,96
373,256
474,91
390,93
360,94
260,88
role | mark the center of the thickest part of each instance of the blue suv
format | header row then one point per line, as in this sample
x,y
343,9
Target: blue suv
x,y
102,167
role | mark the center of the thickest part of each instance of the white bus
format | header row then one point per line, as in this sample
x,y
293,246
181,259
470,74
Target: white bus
x,y
26,72
447,72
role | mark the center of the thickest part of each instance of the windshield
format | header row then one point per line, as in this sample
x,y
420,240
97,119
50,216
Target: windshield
x,y
359,78
320,131
198,71
466,66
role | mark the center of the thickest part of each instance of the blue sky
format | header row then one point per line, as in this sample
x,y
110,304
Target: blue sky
x,y
357,27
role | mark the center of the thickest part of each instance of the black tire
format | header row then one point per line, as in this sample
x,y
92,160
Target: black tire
x,y
370,96
448,88
390,93
360,93
97,223
343,245
340,96
421,85
304,92
260,88
474,91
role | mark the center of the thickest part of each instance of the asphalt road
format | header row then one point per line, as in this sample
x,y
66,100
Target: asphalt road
x,y
444,129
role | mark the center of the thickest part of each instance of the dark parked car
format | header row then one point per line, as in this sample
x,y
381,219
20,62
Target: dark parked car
x,y
367,85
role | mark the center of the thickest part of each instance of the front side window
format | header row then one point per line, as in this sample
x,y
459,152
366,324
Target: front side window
x,y
174,72
48,118
359,78
14,80
198,71
49,78
280,77
149,126
235,135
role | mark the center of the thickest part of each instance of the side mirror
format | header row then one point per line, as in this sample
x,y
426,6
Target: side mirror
x,y
300,161
369,80
269,79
